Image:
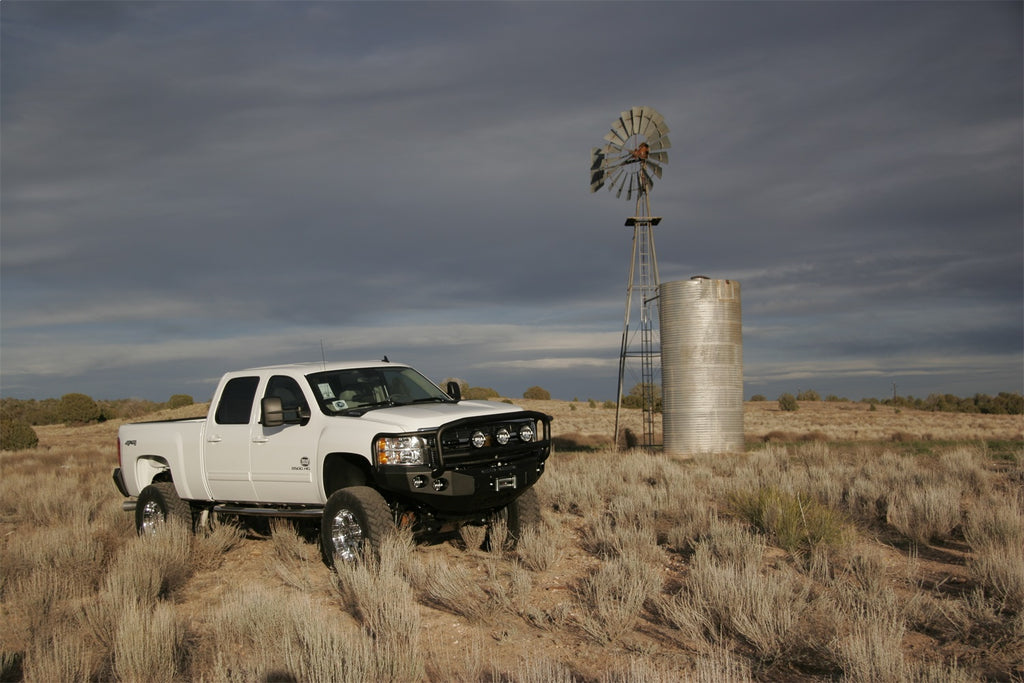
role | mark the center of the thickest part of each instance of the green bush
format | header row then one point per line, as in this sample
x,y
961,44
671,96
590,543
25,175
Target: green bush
x,y
76,409
758,397
16,435
788,402
537,393
794,522
808,395
179,401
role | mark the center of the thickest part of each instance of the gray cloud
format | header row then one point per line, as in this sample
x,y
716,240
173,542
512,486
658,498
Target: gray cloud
x,y
191,187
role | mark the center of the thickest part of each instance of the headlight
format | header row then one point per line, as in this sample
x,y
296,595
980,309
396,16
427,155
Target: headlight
x,y
502,436
526,433
401,450
479,439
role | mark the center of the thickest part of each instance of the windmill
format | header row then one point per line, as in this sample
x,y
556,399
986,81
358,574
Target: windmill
x,y
635,152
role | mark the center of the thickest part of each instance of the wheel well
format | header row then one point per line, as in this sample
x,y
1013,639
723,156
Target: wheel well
x,y
150,468
345,469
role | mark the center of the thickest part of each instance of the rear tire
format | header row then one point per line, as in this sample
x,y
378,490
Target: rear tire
x,y
356,519
157,503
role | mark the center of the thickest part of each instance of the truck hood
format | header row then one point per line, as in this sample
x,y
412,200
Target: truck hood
x,y
412,418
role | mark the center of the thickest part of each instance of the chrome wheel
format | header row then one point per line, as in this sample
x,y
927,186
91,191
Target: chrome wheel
x,y
152,517
346,535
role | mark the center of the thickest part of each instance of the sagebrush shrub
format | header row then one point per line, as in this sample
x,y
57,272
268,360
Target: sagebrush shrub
x,y
17,435
788,403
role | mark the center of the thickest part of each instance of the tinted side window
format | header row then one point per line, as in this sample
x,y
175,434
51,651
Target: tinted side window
x,y
235,405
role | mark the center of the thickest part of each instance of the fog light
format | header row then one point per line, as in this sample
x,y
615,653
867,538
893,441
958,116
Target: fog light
x,y
479,439
526,433
502,436
440,484
419,481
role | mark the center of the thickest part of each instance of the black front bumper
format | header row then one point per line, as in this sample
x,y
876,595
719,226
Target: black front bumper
x,y
464,480
458,492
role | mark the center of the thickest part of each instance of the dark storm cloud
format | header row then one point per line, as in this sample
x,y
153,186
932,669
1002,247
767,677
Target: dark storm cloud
x,y
190,183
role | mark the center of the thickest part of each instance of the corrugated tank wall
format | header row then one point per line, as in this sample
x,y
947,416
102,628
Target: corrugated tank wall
x,y
701,366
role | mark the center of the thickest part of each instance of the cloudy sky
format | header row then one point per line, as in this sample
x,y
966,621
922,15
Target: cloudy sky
x,y
189,188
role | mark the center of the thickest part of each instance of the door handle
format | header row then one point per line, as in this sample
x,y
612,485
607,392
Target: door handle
x,y
260,439
213,439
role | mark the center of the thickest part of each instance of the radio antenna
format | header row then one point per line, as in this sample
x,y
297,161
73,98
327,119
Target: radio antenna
x,y
323,354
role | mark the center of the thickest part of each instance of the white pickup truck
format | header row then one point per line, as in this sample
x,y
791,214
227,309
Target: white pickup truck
x,y
360,446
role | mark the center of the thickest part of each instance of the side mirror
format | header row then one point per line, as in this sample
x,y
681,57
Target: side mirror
x,y
273,413
455,391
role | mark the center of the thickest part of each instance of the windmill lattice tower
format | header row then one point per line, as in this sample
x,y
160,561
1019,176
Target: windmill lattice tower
x,y
636,147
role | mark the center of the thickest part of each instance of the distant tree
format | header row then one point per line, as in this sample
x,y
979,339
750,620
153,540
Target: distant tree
x,y
788,403
179,401
537,393
77,409
16,435
635,399
479,393
758,397
808,395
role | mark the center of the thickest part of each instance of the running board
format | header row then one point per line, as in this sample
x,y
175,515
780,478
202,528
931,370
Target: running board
x,y
268,512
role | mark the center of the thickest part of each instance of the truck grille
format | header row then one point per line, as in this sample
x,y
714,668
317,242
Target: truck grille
x,y
456,447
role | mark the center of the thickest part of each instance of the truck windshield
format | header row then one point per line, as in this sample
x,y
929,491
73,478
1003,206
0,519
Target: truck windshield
x,y
357,390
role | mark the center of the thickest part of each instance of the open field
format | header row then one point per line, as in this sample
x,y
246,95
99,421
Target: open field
x,y
845,544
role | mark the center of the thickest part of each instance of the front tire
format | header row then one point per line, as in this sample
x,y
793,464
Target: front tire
x,y
157,503
356,519
521,514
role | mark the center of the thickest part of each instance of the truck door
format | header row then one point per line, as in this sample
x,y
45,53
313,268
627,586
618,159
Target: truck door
x,y
283,457
228,439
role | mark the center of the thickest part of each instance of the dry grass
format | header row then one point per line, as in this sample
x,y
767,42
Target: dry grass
x,y
847,556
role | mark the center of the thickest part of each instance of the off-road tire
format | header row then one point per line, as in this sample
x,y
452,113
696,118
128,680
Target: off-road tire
x,y
521,514
157,503
356,519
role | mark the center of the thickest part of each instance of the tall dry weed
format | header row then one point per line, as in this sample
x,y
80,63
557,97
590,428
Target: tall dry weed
x,y
148,647
611,599
995,532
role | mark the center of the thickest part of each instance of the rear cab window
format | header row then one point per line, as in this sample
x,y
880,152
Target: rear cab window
x,y
236,401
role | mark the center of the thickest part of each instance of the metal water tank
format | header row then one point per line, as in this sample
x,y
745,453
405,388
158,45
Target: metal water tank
x,y
701,366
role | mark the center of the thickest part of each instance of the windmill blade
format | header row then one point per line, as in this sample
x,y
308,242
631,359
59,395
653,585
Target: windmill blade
x,y
656,168
622,183
658,157
616,135
655,138
634,122
658,123
648,128
616,179
596,158
661,143
624,124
